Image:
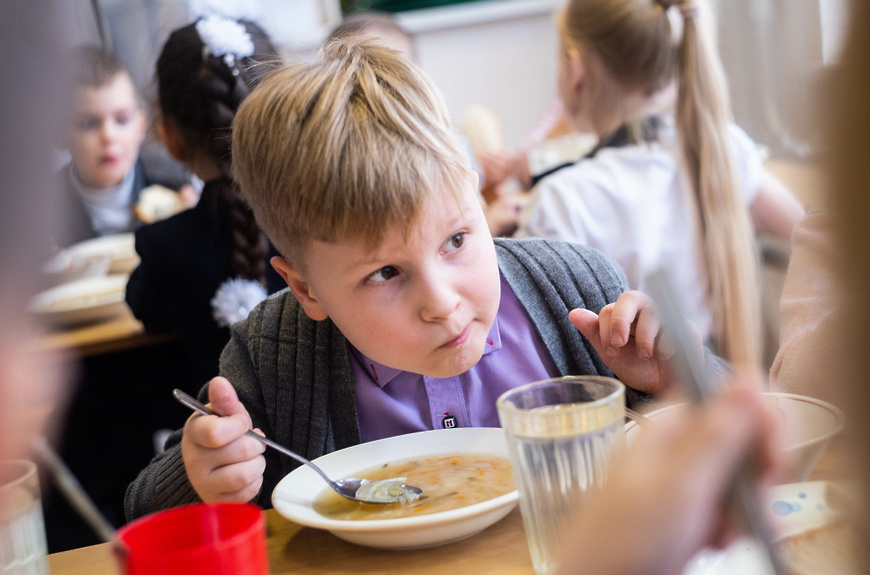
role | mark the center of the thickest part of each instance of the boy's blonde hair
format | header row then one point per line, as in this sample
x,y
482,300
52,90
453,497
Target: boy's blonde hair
x,y
642,46
344,148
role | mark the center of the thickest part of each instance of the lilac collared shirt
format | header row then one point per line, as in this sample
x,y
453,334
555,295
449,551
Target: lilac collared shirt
x,y
392,402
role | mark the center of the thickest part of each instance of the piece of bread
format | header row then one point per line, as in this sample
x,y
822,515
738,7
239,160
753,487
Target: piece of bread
x,y
158,203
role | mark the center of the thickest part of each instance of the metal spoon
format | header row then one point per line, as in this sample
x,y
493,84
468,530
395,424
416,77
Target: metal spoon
x,y
639,418
363,490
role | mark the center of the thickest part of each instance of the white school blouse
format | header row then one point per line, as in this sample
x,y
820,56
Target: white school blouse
x,y
631,203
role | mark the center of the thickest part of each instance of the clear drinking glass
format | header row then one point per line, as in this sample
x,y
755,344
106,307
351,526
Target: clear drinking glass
x,y
562,434
23,550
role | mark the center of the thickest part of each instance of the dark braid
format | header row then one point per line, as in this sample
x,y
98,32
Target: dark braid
x,y
200,96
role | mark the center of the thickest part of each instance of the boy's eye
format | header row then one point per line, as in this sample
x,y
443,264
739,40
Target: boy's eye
x,y
123,119
384,274
455,242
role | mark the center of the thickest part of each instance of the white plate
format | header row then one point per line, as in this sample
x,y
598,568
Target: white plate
x,y
294,495
82,301
794,508
120,248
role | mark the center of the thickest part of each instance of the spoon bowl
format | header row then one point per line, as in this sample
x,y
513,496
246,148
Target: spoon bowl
x,y
392,490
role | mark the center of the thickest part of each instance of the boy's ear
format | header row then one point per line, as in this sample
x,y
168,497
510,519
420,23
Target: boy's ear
x,y
171,138
300,288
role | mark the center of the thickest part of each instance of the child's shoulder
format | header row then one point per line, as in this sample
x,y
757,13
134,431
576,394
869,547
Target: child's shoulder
x,y
556,261
534,247
278,316
610,176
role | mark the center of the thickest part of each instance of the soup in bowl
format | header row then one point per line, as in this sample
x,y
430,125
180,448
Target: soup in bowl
x,y
465,475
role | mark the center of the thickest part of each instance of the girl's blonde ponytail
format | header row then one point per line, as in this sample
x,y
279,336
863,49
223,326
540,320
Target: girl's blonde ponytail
x,y
726,236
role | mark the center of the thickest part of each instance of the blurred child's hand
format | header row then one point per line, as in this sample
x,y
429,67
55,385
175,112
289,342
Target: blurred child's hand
x,y
625,335
502,215
497,167
668,512
189,195
221,462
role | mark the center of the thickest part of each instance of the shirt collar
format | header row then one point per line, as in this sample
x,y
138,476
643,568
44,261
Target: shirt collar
x,y
112,196
382,375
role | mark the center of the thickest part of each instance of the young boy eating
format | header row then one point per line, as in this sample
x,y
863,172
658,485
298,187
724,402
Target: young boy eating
x,y
403,314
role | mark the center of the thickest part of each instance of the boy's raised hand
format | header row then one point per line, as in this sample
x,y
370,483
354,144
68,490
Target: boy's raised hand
x,y
222,463
626,336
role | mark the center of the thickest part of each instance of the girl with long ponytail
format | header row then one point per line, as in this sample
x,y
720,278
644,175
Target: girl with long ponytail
x,y
672,182
205,268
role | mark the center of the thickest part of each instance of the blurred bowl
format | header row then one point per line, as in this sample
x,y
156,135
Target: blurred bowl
x,y
83,301
294,495
799,513
810,424
119,248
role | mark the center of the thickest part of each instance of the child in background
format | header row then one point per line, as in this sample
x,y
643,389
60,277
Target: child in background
x,y
403,313
671,181
379,25
201,267
105,129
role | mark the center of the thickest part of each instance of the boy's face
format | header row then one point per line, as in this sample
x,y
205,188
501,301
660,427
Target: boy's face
x,y
424,304
107,129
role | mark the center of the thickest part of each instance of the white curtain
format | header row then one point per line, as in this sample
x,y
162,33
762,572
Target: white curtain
x,y
772,53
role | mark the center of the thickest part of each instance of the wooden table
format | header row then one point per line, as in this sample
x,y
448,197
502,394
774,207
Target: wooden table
x,y
115,334
499,550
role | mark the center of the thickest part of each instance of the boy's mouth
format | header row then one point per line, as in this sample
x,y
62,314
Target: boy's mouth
x,y
462,338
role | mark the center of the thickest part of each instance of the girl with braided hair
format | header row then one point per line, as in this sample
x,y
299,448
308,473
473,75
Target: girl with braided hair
x,y
672,183
205,268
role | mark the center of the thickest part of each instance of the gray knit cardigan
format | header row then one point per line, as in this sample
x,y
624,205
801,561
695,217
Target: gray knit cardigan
x,y
294,376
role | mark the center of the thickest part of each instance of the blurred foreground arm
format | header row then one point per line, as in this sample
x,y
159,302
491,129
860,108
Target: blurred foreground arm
x,y
809,323
775,210
666,500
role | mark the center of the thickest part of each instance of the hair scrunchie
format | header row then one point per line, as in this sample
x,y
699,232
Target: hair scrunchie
x,y
688,8
224,37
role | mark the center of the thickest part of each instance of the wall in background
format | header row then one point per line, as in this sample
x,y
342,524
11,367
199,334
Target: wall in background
x,y
497,53
500,54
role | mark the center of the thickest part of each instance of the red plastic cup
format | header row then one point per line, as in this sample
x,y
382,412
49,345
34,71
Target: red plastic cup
x,y
199,539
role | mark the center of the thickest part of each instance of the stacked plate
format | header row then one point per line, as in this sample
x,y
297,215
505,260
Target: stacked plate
x,y
88,280
87,300
120,250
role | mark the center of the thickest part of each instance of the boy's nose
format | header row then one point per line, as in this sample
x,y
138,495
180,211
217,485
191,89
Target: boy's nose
x,y
438,300
107,131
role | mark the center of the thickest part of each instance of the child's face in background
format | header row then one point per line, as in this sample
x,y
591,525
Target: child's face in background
x,y
424,304
106,132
